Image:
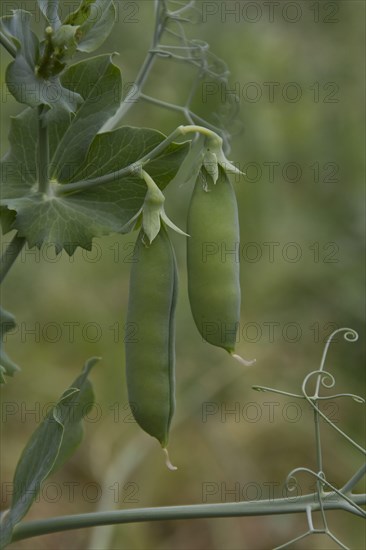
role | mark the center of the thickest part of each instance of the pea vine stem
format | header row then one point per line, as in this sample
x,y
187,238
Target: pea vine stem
x,y
190,115
354,479
135,91
196,511
318,451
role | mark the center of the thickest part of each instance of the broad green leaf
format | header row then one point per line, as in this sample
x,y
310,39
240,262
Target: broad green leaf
x,y
49,447
18,167
7,366
112,151
84,12
17,28
73,220
77,153
7,218
95,19
71,418
49,8
99,82
22,79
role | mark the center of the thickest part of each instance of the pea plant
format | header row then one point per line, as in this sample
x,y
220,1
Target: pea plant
x,y
73,174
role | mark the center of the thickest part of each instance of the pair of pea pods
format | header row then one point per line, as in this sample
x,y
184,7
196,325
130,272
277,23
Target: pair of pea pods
x,y
214,294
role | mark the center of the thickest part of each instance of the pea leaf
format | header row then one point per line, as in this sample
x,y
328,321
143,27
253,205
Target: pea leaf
x,y
17,29
77,153
49,8
22,79
55,439
73,220
7,366
7,218
99,82
95,20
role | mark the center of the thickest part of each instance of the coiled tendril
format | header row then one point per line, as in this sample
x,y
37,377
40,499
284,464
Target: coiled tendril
x,y
323,379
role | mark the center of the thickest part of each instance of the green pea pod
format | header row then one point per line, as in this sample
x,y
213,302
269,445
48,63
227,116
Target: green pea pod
x,y
213,261
150,358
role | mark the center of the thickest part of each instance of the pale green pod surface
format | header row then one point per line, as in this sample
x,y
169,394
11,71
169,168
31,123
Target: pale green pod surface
x,y
150,354
213,261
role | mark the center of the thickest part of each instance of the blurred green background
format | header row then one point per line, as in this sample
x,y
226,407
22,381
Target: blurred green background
x,y
301,207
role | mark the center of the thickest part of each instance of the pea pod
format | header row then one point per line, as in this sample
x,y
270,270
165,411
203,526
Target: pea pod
x,y
150,359
213,261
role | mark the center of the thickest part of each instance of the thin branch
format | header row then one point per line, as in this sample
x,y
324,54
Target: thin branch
x,y
333,490
279,392
185,7
135,167
196,511
163,104
134,93
354,479
6,43
296,539
310,400
130,169
10,255
319,460
336,540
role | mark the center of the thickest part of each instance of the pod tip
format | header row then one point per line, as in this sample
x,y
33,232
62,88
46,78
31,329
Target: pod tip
x,y
244,362
169,465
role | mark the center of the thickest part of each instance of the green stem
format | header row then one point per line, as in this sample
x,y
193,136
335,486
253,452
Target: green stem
x,y
178,108
164,104
354,480
196,511
319,461
67,188
190,128
10,255
134,93
5,42
43,153
131,168
319,456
